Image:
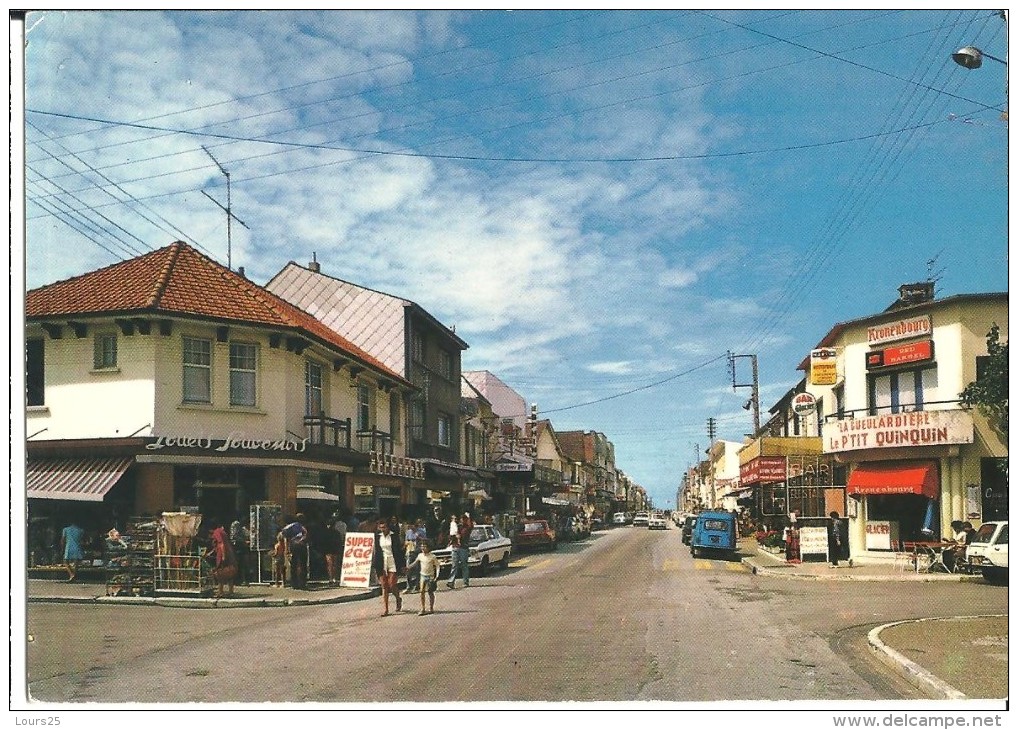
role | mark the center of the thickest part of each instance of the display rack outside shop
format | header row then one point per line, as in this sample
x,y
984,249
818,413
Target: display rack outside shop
x,y
129,560
180,565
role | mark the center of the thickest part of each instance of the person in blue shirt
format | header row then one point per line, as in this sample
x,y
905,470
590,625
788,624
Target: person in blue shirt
x,y
71,540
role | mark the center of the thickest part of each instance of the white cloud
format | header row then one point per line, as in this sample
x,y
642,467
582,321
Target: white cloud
x,y
619,367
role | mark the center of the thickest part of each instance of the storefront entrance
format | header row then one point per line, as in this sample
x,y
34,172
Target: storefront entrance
x,y
907,510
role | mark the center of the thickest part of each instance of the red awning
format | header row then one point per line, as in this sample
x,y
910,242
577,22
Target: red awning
x,y
74,479
896,477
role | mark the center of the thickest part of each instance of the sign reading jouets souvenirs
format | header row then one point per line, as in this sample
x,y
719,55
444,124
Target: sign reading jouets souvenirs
x,y
823,366
903,329
921,428
234,440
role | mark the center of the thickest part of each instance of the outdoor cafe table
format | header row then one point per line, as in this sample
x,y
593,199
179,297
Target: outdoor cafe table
x,y
933,551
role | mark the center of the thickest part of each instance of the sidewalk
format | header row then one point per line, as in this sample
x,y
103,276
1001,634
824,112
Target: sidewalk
x,y
953,658
43,590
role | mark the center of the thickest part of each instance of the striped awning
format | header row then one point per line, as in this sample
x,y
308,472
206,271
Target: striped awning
x,y
84,480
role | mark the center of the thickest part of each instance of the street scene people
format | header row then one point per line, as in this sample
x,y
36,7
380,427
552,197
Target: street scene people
x,y
296,535
427,566
835,539
389,562
240,537
279,560
225,571
71,540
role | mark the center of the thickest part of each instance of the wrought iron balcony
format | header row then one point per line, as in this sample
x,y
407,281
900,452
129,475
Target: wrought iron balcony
x,y
397,466
371,439
328,431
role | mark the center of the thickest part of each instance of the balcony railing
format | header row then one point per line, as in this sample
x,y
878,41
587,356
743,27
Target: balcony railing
x,y
396,466
372,439
930,405
328,431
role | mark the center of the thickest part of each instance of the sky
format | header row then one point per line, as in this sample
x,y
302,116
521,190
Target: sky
x,y
604,204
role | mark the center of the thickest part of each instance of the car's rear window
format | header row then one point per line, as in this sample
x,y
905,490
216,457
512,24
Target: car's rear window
x,y
533,527
720,525
985,532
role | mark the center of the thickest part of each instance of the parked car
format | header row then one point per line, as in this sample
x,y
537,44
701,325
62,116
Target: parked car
x,y
714,532
988,551
488,547
687,528
657,521
533,533
640,519
619,518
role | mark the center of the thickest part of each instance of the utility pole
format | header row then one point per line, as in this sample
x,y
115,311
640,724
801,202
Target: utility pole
x,y
229,214
754,400
712,432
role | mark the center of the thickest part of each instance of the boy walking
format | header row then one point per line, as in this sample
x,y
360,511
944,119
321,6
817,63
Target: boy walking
x,y
428,564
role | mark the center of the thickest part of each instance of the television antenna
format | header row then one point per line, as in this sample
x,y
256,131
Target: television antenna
x,y
229,213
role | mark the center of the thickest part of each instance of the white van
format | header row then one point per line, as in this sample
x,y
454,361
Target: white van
x,y
619,518
988,551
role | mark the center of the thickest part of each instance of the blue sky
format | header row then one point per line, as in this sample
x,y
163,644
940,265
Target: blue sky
x,y
603,203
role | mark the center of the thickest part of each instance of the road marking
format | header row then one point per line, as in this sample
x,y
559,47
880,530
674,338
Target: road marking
x,y
541,563
670,564
702,565
736,567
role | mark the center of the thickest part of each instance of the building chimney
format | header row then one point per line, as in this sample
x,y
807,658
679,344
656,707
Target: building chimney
x,y
314,265
240,270
917,293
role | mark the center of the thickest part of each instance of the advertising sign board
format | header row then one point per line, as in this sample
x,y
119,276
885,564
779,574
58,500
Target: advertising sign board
x,y
903,329
813,541
823,366
918,428
357,554
804,403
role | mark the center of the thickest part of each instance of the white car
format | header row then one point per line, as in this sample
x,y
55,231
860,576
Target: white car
x,y
488,547
619,518
641,518
988,551
657,521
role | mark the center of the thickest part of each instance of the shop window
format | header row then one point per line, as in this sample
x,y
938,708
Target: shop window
x,y
197,370
444,431
363,407
35,381
243,374
104,354
312,389
993,484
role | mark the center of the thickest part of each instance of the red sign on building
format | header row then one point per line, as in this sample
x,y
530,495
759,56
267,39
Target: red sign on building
x,y
764,469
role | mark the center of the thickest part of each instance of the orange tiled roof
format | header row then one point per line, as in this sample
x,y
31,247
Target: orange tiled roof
x,y
179,280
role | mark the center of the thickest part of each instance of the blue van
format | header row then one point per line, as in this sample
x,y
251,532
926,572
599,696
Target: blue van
x,y
714,531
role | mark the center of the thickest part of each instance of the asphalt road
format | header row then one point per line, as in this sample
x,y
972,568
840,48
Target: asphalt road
x,y
627,615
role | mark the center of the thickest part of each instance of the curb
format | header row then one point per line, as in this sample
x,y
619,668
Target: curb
x,y
785,572
914,673
171,602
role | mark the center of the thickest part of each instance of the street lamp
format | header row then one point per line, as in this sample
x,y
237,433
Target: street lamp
x,y
971,57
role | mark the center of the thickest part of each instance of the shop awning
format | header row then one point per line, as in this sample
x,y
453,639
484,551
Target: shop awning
x,y
896,477
315,493
479,494
82,480
556,502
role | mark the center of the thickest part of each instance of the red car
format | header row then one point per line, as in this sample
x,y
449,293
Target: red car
x,y
533,533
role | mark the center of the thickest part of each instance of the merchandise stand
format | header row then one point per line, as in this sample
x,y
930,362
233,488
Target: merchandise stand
x,y
129,561
265,519
180,565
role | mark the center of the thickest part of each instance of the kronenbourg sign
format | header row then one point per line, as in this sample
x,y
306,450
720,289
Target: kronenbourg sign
x,y
804,403
357,554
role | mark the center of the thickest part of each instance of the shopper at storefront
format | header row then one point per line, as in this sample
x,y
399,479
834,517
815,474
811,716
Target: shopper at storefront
x,y
71,542
225,572
296,535
240,538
